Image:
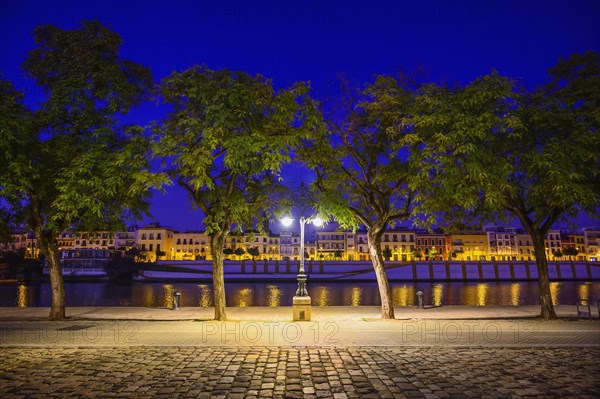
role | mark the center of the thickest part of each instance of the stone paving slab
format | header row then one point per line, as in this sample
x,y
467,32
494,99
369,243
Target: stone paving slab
x,y
373,332
300,372
284,313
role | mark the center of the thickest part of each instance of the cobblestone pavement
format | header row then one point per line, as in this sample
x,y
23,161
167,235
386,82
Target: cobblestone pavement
x,y
300,372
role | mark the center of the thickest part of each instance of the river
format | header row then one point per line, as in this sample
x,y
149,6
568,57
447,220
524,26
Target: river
x,y
280,294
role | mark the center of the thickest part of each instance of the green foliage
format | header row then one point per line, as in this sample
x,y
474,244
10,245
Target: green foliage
x,y
364,166
493,150
239,251
570,251
387,253
160,254
253,252
226,139
70,163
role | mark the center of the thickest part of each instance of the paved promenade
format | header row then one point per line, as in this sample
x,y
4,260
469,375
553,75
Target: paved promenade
x,y
343,352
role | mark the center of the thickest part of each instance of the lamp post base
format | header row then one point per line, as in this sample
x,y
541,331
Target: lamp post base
x,y
301,308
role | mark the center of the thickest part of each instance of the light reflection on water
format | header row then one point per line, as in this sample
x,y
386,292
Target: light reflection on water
x,y
515,292
280,294
22,296
204,296
274,295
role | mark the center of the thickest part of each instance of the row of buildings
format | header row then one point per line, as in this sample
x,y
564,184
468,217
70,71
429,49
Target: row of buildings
x,y
485,243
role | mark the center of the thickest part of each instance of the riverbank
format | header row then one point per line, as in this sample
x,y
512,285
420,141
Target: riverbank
x,y
284,313
362,271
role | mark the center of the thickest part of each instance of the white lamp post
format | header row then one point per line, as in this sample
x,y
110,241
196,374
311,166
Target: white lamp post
x,y
301,301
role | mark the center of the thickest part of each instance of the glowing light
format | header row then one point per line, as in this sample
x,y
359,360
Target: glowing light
x,y
554,292
287,221
356,296
205,300
323,296
482,290
584,292
515,293
22,296
168,295
403,295
274,295
317,221
437,294
244,299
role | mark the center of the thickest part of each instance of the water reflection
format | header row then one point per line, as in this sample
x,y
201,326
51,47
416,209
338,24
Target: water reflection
x,y
149,299
22,296
274,295
482,290
168,292
515,293
356,296
437,294
403,295
280,294
584,292
244,298
204,296
555,292
322,297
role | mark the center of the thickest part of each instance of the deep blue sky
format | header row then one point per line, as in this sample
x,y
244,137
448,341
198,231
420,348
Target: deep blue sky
x,y
295,40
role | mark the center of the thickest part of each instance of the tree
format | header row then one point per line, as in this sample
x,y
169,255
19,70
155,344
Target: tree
x,y
239,251
224,142
417,254
160,254
533,156
362,179
557,253
71,164
338,254
228,251
387,254
570,252
432,253
253,252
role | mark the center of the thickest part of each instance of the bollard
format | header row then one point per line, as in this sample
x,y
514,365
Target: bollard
x,y
176,299
420,300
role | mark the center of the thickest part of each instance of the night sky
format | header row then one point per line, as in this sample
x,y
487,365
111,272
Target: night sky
x,y
316,41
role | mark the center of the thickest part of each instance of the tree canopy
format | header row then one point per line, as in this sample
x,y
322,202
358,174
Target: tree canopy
x,y
71,164
224,141
496,151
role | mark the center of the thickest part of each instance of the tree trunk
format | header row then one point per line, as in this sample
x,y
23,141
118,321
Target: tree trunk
x,y
217,243
48,247
547,307
374,243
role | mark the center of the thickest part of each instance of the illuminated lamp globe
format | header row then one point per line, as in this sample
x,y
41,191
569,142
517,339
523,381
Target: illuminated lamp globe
x,y
287,221
318,221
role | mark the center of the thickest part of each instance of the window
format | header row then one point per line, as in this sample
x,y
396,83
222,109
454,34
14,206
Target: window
x,y
158,236
185,241
151,247
418,241
152,236
143,236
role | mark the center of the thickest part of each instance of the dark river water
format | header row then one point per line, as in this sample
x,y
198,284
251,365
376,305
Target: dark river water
x,y
280,294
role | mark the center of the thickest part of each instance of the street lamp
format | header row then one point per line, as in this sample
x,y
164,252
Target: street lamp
x,y
301,301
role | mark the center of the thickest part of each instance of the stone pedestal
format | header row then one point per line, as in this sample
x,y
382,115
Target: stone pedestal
x,y
301,308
